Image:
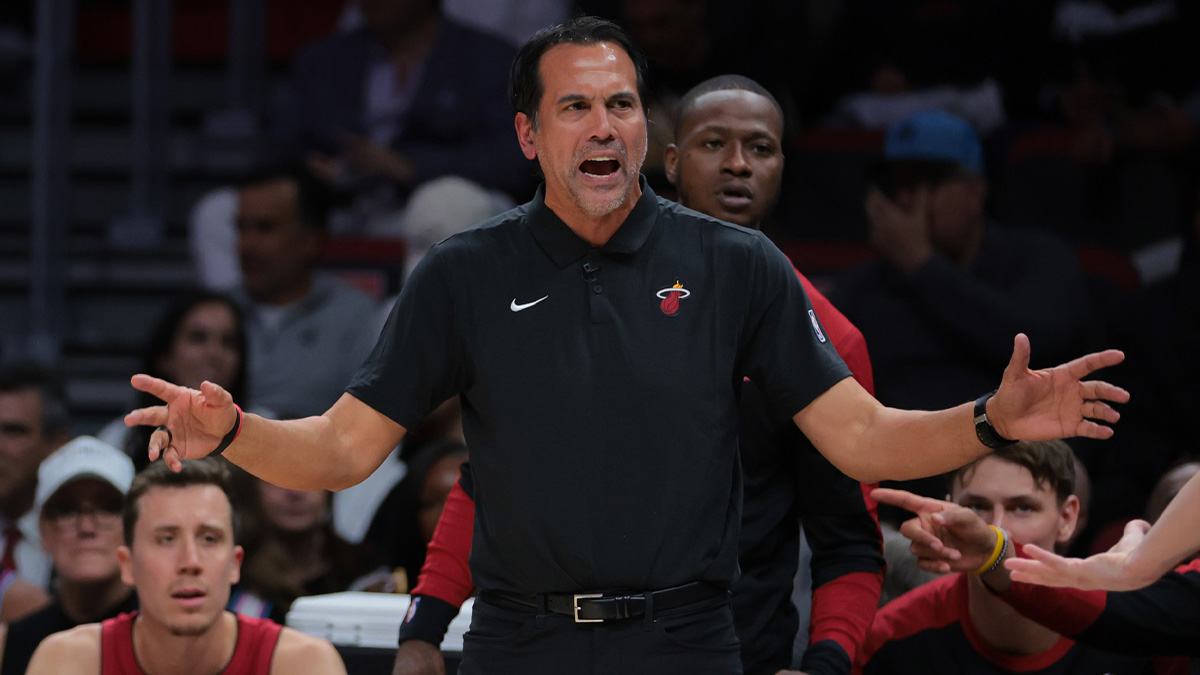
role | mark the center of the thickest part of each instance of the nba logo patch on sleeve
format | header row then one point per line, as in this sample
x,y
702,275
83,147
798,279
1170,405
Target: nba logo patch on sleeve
x,y
412,609
812,316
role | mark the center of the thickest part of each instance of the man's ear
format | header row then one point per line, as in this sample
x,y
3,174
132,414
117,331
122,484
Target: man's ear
x,y
124,556
238,555
671,164
1068,517
525,135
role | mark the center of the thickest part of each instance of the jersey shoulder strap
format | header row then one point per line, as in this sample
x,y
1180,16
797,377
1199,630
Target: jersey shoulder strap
x,y
116,646
256,643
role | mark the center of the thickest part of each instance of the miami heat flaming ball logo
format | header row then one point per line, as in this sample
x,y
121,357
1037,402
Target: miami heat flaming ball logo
x,y
671,297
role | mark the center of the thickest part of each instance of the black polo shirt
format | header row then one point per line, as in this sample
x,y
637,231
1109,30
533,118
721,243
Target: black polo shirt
x,y
598,387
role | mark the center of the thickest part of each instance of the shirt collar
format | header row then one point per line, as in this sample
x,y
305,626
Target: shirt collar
x,y
565,247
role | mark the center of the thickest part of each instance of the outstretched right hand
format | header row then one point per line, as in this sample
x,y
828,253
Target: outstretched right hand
x,y
197,419
945,537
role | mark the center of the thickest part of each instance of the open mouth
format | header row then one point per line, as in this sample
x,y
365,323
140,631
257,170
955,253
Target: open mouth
x,y
189,596
600,166
735,196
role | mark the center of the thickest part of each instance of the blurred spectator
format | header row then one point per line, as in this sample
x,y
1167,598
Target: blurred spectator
x,y
1129,75
200,337
440,208
1108,532
1167,487
404,523
409,96
357,507
886,59
291,549
212,240
514,20
18,599
951,289
33,423
307,332
1158,328
954,624
689,41
16,29
81,491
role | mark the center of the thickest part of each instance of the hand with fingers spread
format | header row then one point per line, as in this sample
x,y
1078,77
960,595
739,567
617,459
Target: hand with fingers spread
x,y
196,421
945,537
1103,571
1038,405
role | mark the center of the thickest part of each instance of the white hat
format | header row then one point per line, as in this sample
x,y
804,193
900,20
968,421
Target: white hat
x,y
444,206
84,457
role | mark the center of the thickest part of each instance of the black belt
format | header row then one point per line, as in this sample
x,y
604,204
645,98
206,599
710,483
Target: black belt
x,y
597,607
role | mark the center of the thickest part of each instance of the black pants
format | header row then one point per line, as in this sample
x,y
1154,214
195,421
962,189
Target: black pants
x,y
506,638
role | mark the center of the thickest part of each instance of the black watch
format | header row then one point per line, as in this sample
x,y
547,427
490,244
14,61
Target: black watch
x,y
983,428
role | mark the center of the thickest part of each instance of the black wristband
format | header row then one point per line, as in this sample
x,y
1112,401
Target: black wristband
x,y
825,657
233,433
427,620
983,428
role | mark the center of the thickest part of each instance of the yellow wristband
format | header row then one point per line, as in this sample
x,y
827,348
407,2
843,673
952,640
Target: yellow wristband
x,y
997,552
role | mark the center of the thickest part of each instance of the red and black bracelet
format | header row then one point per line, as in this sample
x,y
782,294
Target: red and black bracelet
x,y
233,433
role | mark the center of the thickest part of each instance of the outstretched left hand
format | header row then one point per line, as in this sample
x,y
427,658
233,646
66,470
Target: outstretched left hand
x,y
1104,571
1041,405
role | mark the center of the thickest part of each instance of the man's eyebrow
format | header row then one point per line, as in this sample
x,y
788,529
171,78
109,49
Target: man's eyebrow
x,y
202,527
15,428
620,95
1007,499
721,129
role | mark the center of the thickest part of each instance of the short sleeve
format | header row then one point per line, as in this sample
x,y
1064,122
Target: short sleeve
x,y
419,360
785,349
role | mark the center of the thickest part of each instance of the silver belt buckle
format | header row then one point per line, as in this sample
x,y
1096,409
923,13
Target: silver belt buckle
x,y
575,604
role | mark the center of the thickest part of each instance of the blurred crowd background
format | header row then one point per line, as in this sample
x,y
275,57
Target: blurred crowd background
x,y
242,179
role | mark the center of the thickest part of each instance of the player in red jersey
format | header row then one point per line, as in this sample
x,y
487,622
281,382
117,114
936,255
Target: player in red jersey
x,y
180,554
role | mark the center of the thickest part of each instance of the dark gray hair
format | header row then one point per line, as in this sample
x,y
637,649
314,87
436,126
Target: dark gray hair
x,y
525,86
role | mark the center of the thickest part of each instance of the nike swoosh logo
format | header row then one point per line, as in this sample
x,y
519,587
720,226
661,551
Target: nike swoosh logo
x,y
516,308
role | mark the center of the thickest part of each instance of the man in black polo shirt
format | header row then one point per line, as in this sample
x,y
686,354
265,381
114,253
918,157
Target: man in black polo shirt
x,y
727,162
597,337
